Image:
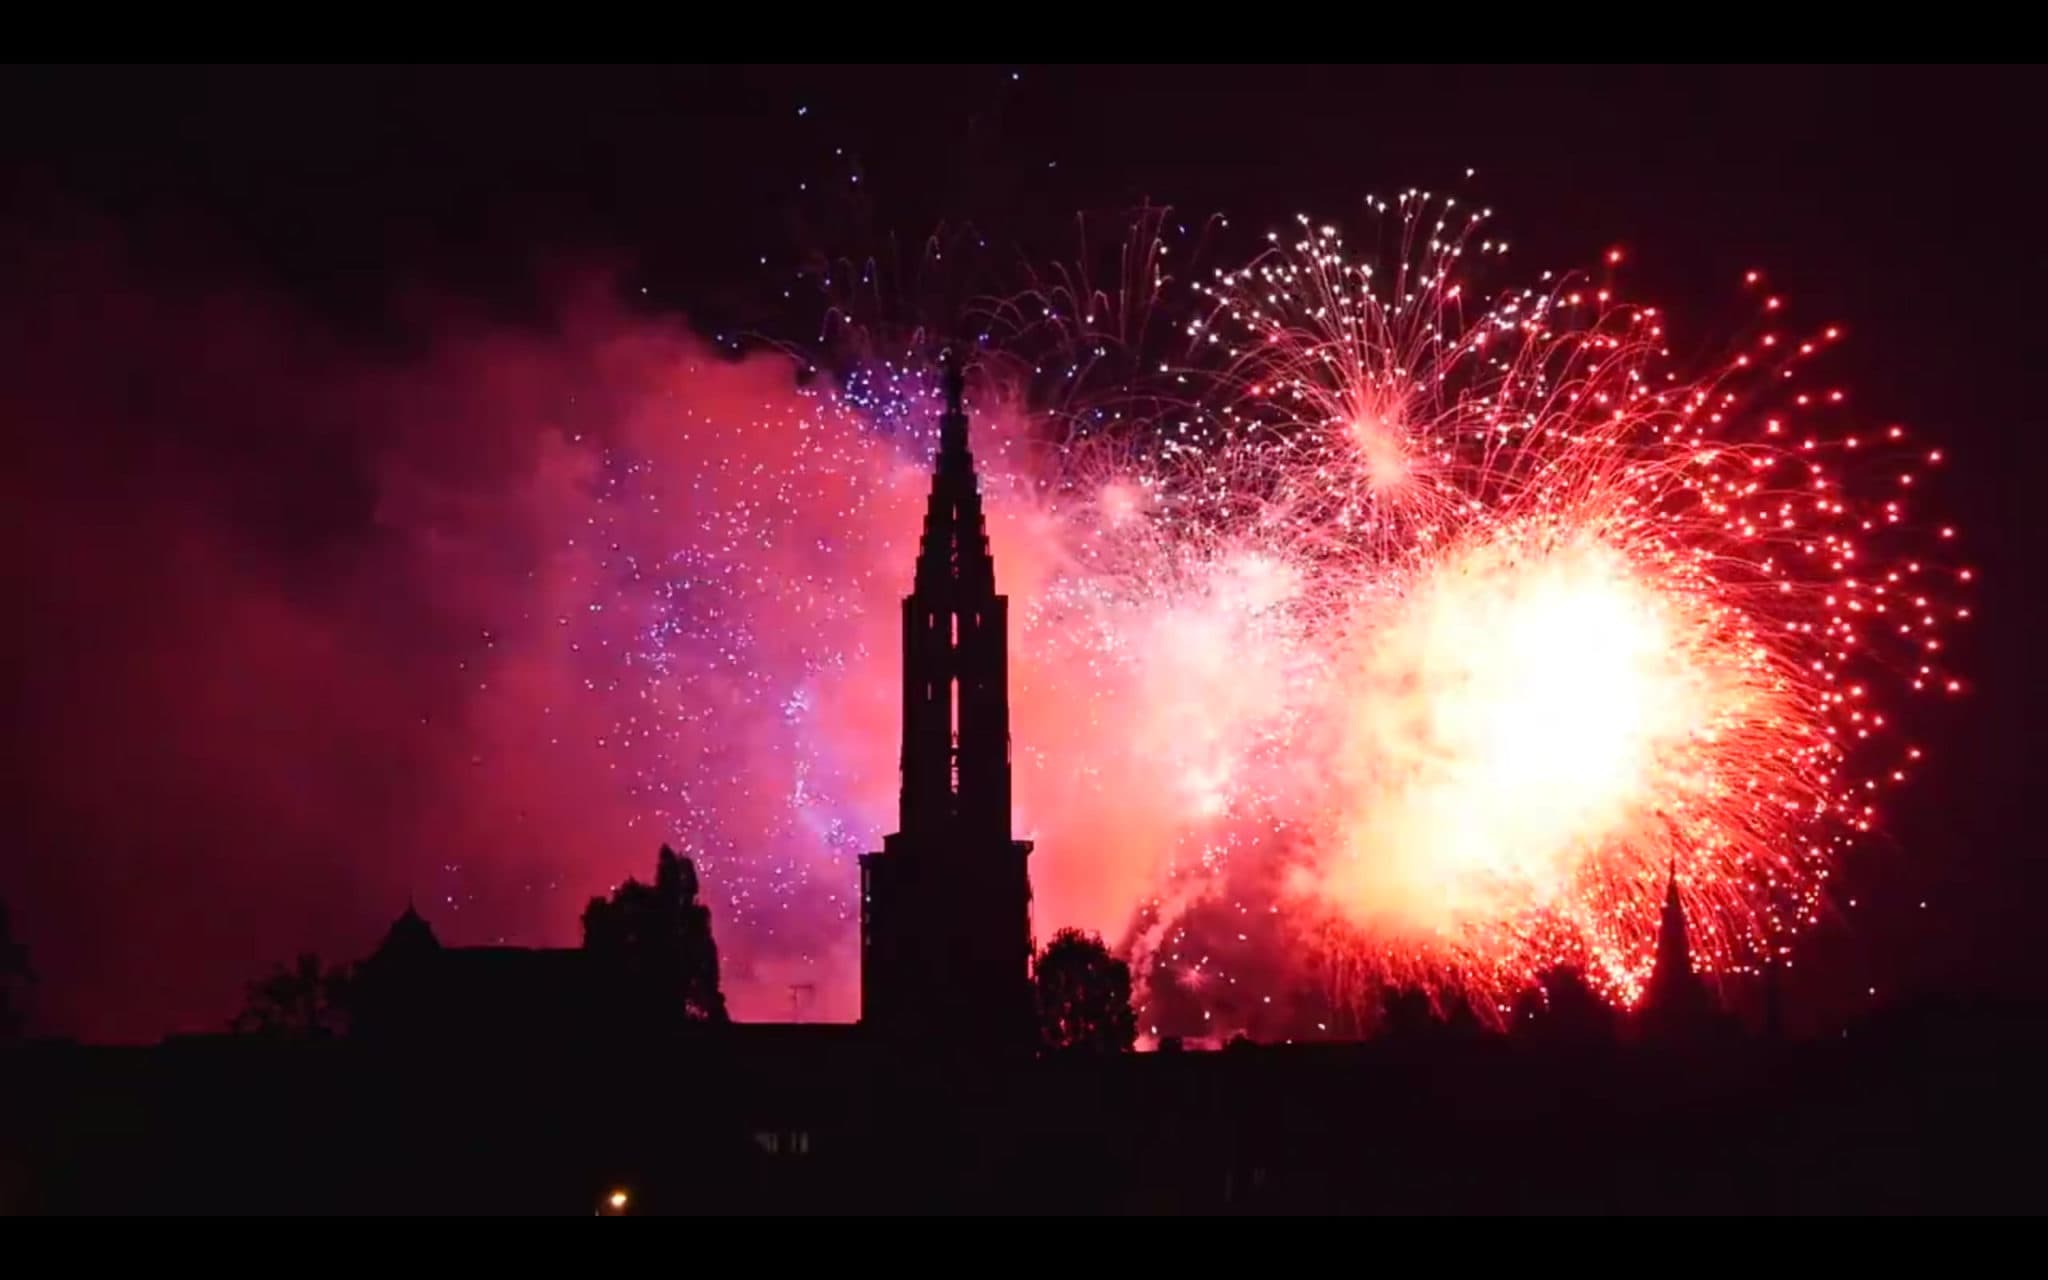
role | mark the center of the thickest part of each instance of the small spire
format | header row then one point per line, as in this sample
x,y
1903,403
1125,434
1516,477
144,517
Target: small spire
x,y
955,382
410,932
1674,948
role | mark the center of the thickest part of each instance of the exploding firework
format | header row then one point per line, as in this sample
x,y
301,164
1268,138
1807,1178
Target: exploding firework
x,y
1378,629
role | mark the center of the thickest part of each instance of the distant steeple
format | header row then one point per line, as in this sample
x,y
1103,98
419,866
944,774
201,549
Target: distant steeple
x,y
1675,1001
1774,999
1674,949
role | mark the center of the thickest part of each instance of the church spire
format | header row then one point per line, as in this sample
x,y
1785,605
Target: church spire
x,y
956,698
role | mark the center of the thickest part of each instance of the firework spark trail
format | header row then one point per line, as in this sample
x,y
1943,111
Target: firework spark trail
x,y
1460,623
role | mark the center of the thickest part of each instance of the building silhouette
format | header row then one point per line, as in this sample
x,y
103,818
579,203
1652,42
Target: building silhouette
x,y
413,990
648,968
946,902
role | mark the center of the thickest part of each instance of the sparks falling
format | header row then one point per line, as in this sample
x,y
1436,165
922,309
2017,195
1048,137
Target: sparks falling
x,y
1403,631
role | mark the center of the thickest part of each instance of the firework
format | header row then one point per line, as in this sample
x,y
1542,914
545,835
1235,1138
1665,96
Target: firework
x,y
1380,629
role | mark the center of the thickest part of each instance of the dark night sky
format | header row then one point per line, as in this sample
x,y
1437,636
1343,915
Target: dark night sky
x,y
318,208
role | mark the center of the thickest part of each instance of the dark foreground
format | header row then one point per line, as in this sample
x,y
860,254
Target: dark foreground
x,y
1942,1110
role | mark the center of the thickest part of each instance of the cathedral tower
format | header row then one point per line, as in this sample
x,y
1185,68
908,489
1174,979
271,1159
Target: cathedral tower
x,y
946,904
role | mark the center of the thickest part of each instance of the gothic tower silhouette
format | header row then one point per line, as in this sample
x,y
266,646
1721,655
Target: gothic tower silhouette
x,y
946,903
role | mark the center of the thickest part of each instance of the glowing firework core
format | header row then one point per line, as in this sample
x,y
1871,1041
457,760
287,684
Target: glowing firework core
x,y
1500,724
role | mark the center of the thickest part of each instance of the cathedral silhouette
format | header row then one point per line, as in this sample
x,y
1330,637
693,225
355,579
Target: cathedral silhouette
x,y
945,922
946,902
946,944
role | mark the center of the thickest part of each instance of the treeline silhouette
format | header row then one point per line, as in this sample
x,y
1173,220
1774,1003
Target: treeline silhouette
x,y
648,967
493,1082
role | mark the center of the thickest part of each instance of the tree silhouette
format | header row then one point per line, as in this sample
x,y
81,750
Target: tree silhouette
x,y
16,975
1461,1021
1563,1008
1413,1015
1084,995
654,941
299,1002
1406,1013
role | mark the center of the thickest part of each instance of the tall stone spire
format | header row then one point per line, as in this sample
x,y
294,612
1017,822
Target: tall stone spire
x,y
956,697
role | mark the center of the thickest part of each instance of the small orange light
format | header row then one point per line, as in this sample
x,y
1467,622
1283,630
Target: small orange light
x,y
617,1199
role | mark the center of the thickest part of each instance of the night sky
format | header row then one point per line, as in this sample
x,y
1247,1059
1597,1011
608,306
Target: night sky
x,y
278,339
